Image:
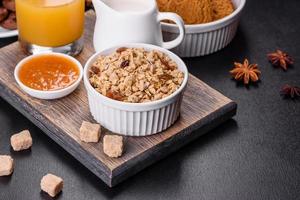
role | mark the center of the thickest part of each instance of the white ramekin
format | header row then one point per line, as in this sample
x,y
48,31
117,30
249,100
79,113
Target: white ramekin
x,y
48,95
135,119
204,39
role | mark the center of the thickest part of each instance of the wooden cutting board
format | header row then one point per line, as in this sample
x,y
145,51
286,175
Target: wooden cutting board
x,y
203,108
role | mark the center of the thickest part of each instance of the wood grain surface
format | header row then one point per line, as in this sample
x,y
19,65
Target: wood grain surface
x,y
203,108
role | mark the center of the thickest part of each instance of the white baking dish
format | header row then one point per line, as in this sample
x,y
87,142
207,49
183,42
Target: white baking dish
x,y
135,119
204,39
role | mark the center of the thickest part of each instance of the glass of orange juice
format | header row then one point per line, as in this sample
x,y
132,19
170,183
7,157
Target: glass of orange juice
x,y
51,25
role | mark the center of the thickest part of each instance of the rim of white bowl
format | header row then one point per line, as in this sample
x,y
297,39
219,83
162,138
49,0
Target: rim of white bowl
x,y
178,60
42,92
211,24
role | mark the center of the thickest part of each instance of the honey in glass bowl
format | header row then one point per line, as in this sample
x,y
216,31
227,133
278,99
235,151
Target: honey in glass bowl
x,y
51,25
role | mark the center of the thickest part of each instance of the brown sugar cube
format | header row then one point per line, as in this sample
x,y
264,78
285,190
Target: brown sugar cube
x,y
21,141
52,184
6,165
90,132
113,145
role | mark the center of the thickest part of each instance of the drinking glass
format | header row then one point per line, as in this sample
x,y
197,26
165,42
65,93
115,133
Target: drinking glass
x,y
51,25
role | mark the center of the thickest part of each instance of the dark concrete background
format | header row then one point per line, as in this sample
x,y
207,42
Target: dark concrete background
x,y
254,156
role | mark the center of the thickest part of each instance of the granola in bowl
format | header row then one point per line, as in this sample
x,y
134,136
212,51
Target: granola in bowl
x,y
135,75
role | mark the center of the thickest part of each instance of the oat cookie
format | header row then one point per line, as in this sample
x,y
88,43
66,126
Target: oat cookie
x,y
221,8
192,11
197,11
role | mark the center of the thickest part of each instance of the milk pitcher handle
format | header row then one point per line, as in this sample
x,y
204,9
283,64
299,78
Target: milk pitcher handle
x,y
178,20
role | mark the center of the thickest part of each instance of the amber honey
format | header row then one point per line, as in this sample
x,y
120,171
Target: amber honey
x,y
48,72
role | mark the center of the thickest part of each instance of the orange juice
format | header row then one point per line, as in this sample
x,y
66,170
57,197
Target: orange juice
x,y
50,23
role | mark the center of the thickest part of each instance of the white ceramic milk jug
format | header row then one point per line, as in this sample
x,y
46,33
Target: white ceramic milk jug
x,y
132,21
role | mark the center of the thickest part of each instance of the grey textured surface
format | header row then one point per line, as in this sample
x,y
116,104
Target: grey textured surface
x,y
254,156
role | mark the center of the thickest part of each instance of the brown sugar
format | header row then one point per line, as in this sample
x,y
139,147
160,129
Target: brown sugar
x,y
52,184
197,11
21,141
6,165
89,132
113,145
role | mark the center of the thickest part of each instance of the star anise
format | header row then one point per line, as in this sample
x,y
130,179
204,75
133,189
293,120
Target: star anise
x,y
290,91
281,59
245,72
